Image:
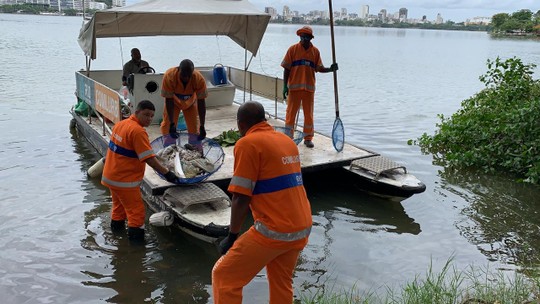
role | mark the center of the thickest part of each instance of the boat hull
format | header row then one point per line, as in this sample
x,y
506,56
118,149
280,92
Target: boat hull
x,y
400,187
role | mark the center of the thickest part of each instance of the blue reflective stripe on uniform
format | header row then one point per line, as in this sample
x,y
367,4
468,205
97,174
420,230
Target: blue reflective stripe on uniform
x,y
146,153
122,151
243,182
303,62
121,184
183,96
278,183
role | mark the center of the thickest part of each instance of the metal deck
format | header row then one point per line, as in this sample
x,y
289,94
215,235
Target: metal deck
x,y
223,118
376,164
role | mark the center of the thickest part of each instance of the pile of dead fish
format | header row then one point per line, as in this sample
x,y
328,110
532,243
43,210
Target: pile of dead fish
x,y
186,161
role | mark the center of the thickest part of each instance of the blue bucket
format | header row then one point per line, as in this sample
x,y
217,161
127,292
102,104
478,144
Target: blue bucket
x,y
220,77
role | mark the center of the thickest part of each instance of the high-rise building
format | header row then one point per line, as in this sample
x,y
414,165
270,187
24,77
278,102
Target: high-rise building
x,y
382,15
439,19
271,11
403,14
478,20
364,12
95,5
286,13
116,3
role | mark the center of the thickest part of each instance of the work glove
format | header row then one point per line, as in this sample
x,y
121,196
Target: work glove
x,y
285,91
227,242
171,177
202,133
334,67
172,131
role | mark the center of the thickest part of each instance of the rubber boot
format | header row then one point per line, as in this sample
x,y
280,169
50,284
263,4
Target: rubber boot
x,y
135,234
117,226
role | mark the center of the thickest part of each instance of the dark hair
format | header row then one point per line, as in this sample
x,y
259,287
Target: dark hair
x,y
186,67
251,113
146,105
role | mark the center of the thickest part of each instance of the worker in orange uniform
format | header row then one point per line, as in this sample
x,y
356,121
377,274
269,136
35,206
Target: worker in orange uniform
x,y
300,64
268,181
129,152
184,89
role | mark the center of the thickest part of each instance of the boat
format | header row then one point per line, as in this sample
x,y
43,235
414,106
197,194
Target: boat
x,y
196,214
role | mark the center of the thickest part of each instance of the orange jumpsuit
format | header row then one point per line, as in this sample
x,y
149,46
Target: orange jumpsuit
x,y
266,168
123,172
185,98
302,64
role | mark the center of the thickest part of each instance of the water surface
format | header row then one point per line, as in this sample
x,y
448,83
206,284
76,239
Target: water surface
x,y
55,243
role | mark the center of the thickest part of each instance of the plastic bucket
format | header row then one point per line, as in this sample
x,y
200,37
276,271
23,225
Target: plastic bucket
x,y
220,77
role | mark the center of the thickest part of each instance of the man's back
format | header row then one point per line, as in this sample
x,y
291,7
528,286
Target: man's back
x,y
272,159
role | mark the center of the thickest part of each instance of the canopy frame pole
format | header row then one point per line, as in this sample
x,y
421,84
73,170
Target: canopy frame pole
x,y
88,62
119,39
245,58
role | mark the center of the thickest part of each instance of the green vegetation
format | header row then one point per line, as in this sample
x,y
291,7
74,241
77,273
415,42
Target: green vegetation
x,y
449,286
34,9
449,25
520,22
496,129
228,138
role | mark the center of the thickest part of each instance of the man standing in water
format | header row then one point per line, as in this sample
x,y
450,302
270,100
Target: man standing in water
x,y
129,152
267,180
299,66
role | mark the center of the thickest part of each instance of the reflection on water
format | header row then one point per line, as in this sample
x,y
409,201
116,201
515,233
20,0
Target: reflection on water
x,y
335,197
343,213
502,215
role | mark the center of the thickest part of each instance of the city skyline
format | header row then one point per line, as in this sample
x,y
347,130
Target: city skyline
x,y
455,10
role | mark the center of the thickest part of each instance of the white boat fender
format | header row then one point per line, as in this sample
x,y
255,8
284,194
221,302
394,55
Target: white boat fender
x,y
96,168
161,219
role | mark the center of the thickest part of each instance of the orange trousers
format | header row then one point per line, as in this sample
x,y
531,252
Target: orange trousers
x,y
245,259
128,203
191,116
306,99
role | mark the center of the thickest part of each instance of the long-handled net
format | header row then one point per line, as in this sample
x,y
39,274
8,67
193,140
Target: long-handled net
x,y
338,131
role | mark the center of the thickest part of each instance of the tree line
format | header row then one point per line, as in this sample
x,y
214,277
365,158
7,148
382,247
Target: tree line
x,y
448,25
521,22
36,9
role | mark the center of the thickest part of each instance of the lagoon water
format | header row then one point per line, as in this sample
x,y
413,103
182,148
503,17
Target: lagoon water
x,y
55,244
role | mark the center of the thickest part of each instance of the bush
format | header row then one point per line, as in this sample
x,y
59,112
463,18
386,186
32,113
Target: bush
x,y
498,128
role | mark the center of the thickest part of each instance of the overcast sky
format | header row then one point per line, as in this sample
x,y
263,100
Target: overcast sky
x,y
455,10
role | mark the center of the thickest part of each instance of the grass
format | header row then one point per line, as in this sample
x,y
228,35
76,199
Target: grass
x,y
449,286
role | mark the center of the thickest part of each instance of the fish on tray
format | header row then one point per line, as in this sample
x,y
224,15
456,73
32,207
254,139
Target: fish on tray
x,y
186,161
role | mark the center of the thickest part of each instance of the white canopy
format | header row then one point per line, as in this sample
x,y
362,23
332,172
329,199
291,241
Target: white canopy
x,y
238,19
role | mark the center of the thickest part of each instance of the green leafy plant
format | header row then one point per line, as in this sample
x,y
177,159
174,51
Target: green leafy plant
x,y
496,129
228,138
